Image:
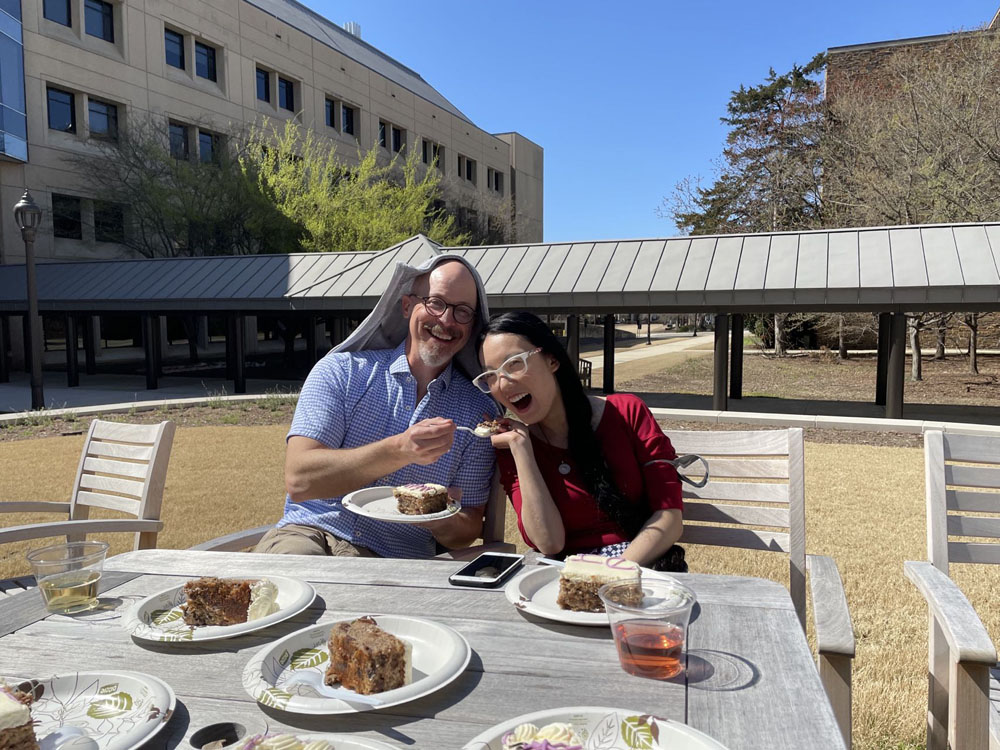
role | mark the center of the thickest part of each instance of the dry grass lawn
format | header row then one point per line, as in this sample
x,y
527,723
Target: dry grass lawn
x,y
864,507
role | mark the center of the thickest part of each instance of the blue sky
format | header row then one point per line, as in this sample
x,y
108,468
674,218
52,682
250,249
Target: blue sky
x,y
625,97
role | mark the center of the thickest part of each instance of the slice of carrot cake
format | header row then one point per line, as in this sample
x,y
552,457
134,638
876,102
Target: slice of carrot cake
x,y
583,575
17,732
366,659
228,601
419,499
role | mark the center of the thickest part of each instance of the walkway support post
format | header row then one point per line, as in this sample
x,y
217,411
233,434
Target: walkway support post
x,y
609,354
4,338
72,364
573,338
882,358
148,346
896,367
239,363
89,345
720,400
736,358
311,354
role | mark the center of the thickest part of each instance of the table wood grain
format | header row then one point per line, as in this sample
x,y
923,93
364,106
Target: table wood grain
x,y
750,682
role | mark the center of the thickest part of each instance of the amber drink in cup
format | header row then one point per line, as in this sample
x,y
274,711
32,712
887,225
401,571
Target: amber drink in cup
x,y
68,575
650,635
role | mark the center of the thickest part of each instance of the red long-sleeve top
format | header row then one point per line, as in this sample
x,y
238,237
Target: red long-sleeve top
x,y
629,437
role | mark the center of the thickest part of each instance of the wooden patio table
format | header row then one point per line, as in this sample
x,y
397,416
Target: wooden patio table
x,y
750,681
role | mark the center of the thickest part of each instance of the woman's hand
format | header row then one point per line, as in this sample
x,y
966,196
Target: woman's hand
x,y
513,435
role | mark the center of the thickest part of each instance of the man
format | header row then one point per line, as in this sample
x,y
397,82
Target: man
x,y
381,411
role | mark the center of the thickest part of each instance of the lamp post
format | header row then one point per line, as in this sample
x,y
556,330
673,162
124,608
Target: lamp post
x,y
28,216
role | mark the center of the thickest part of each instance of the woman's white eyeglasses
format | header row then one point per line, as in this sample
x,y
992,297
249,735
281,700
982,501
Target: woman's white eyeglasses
x,y
513,367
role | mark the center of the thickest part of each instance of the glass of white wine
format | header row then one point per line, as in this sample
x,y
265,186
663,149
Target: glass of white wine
x,y
68,575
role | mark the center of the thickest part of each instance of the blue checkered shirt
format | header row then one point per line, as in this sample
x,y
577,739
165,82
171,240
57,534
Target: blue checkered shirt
x,y
352,399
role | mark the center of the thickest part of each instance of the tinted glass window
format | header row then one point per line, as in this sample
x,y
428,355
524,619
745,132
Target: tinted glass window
x,y
57,10
397,139
331,109
204,61
13,7
263,85
11,74
174,44
381,134
66,217
286,94
62,115
178,141
99,19
103,119
109,222
207,146
347,120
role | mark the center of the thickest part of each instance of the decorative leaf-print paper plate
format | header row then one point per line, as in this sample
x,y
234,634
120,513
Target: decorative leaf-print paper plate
x,y
337,741
117,710
440,655
605,729
159,617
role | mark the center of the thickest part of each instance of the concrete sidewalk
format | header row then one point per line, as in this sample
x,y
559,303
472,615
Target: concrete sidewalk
x,y
659,347
95,390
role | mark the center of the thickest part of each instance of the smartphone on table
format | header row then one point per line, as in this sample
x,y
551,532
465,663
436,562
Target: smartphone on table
x,y
488,570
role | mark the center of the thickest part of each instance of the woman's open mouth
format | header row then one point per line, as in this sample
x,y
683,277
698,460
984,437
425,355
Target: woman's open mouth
x,y
520,402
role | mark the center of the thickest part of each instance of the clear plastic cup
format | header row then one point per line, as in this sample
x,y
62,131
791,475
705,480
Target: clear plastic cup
x,y
650,633
68,575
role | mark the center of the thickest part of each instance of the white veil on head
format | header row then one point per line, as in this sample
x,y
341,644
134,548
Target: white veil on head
x,y
385,327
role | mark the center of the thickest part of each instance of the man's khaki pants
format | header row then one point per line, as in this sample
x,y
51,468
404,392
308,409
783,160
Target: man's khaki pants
x,y
298,539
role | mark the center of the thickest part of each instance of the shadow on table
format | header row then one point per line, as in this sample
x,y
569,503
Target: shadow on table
x,y
391,721
719,671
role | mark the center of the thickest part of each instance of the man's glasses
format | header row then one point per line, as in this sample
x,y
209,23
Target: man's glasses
x,y
437,307
513,367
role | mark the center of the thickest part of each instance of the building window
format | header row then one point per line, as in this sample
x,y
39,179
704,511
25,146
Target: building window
x,y
99,19
66,221
62,113
432,153
286,94
398,139
178,141
174,44
467,169
494,180
58,11
381,134
263,85
204,61
347,115
331,113
208,146
109,221
103,119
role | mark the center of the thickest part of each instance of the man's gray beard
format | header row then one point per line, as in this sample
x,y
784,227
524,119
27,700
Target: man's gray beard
x,y
431,355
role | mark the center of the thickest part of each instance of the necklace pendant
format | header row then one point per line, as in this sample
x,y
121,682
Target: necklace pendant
x,y
564,468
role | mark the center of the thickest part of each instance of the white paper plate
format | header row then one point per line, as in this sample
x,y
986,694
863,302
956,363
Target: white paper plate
x,y
606,729
379,504
117,710
440,655
535,592
159,617
340,741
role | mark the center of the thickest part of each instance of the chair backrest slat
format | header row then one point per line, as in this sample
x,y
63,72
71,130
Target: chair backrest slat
x,y
494,521
760,492
974,526
136,470
112,484
748,515
764,470
111,502
124,433
120,450
962,474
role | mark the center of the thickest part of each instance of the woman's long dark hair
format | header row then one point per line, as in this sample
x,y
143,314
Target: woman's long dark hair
x,y
583,444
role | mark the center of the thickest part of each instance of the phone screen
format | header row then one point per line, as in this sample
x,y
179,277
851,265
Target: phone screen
x,y
488,566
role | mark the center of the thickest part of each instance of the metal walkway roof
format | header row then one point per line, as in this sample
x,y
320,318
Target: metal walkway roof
x,y
941,267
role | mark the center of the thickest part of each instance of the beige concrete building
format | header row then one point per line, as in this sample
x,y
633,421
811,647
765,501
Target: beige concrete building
x,y
207,67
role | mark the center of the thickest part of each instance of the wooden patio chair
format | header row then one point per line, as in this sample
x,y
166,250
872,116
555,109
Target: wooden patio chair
x,y
755,499
962,475
493,531
122,467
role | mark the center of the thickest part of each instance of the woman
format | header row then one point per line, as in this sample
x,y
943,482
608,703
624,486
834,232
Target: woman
x,y
582,472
